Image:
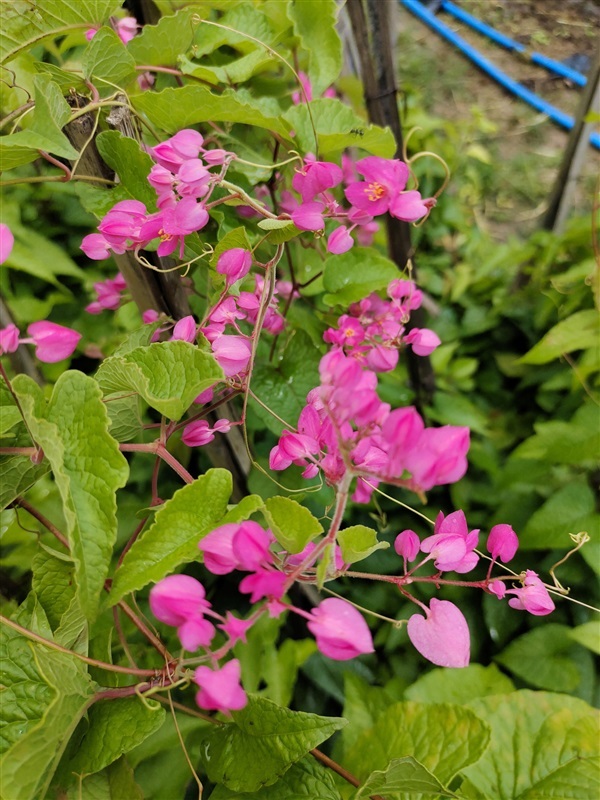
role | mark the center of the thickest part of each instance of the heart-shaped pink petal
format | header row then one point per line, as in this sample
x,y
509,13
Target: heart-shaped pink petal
x,y
443,636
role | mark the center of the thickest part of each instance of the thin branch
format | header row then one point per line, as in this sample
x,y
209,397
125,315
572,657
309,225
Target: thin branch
x,y
20,501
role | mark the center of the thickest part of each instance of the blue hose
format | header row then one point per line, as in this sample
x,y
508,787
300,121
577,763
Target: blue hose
x,y
510,44
534,100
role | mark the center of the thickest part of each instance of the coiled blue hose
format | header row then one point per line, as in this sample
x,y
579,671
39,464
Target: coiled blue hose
x,y
534,100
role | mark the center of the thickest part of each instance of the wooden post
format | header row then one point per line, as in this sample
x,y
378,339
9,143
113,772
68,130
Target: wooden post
x,y
371,30
561,197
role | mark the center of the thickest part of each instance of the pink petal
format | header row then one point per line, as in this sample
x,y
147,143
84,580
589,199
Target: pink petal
x,y
443,637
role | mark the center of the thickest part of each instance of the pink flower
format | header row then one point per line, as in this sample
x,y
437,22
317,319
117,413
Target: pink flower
x,y
232,353
7,241
53,342
197,434
423,341
316,177
9,339
127,29
340,630
502,543
309,216
179,600
532,597
236,628
251,546
185,330
383,190
184,145
263,583
452,545
217,547
220,689
173,224
234,264
339,241
95,246
439,457
443,636
407,545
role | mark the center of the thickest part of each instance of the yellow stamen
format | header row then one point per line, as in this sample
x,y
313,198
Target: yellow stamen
x,y
375,191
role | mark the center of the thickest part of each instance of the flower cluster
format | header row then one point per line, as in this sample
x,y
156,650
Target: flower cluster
x,y
345,428
108,295
339,629
442,636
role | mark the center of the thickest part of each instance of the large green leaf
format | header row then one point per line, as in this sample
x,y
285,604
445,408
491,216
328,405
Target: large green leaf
x,y
107,59
116,782
115,727
173,109
283,387
168,375
544,658
53,584
403,776
304,780
88,469
261,744
579,331
292,524
459,686
48,693
314,22
353,275
568,510
131,164
51,113
163,43
337,127
9,413
172,540
588,635
443,738
561,443
24,23
363,704
543,746
233,72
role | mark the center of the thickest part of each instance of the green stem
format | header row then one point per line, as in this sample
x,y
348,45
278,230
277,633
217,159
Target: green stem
x,y
34,637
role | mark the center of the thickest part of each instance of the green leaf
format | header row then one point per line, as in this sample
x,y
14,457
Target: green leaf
x,y
36,255
172,540
358,542
53,584
443,738
283,388
292,524
403,775
314,23
168,375
163,43
560,443
542,746
244,509
579,331
51,113
49,692
304,780
107,59
116,782
337,127
88,469
173,109
588,635
115,727
18,475
131,164
353,275
281,230
238,70
363,704
9,413
24,23
262,742
125,420
542,657
459,686
569,510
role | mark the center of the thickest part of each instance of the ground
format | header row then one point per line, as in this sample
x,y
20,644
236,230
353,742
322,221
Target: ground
x,y
526,146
